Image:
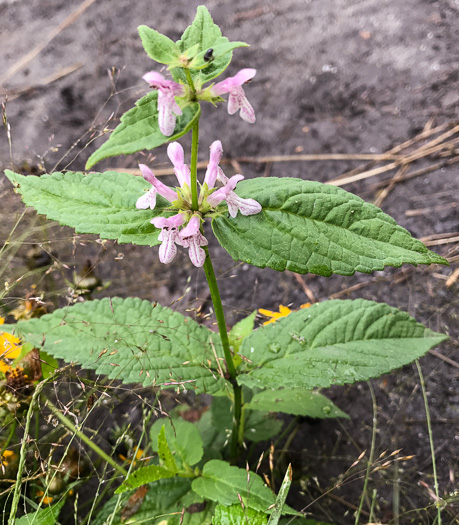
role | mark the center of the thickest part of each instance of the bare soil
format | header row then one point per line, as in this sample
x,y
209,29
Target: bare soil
x,y
332,77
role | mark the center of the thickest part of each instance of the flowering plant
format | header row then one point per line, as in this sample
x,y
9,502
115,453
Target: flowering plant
x,y
293,224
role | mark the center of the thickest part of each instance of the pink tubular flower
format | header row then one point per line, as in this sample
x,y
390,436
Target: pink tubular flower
x,y
237,99
216,152
191,237
177,157
234,202
168,108
148,200
168,236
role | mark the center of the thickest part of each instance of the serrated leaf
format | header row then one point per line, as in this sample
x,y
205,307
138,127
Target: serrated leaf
x,y
139,129
165,453
334,342
236,515
222,483
48,516
204,33
183,438
158,46
145,475
100,203
309,227
295,401
131,340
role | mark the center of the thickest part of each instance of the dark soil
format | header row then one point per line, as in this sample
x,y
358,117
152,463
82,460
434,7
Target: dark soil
x,y
332,77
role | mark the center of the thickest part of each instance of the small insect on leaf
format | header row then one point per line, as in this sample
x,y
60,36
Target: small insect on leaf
x,y
209,55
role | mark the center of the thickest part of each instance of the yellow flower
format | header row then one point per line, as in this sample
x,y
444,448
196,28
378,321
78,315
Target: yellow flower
x,y
10,348
46,500
138,455
7,457
283,312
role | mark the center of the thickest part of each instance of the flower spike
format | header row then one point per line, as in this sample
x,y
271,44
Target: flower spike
x,y
168,108
148,200
237,99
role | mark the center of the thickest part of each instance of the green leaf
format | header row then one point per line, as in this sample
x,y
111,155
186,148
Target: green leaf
x,y
204,34
296,401
48,364
165,453
236,515
139,129
183,438
307,226
241,330
220,47
46,516
158,46
131,340
222,483
258,426
334,342
100,203
143,476
161,499
281,497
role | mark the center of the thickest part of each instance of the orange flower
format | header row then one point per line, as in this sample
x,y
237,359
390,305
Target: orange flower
x,y
10,348
283,312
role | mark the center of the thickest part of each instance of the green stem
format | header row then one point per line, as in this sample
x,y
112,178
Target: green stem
x,y
372,451
219,314
194,150
194,165
22,453
86,440
432,449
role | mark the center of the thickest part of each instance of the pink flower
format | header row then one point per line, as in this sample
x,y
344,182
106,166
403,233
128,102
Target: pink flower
x,y
177,157
167,106
237,99
191,237
148,200
234,202
168,236
216,152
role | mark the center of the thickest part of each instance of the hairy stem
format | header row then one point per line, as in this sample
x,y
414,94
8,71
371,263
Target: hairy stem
x,y
219,314
194,165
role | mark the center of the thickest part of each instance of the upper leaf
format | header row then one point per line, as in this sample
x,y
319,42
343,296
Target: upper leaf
x,y
334,342
139,129
165,453
158,46
101,203
296,401
219,48
131,340
307,226
222,483
204,34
